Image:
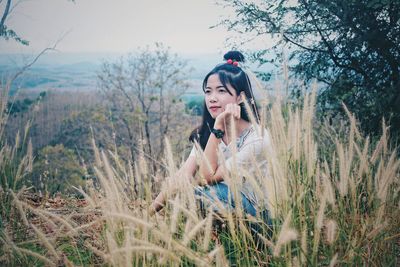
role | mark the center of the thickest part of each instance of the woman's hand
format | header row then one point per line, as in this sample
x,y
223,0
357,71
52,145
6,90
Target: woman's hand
x,y
231,111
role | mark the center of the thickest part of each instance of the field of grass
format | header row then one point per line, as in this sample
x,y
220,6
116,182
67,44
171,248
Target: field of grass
x,y
333,200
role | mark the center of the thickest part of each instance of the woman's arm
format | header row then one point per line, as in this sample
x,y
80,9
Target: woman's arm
x,y
246,158
209,168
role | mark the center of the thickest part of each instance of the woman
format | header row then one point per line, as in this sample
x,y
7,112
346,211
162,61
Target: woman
x,y
226,87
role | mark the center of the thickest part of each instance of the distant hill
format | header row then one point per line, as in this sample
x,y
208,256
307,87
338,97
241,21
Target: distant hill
x,y
77,71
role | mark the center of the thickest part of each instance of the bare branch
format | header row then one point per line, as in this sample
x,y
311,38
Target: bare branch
x,y
27,66
4,17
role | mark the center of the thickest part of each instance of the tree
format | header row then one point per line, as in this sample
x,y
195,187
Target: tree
x,y
78,129
56,169
351,46
145,91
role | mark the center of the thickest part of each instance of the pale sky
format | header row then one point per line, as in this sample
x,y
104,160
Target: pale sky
x,y
119,25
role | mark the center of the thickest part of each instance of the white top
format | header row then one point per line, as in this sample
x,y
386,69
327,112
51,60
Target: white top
x,y
251,146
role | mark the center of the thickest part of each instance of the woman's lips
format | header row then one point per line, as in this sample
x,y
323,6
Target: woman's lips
x,y
214,109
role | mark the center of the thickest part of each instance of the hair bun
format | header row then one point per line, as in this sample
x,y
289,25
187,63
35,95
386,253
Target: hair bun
x,y
234,55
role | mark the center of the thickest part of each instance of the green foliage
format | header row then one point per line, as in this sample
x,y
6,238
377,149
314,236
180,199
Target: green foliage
x,y
195,105
351,47
77,130
11,34
22,106
19,106
76,252
56,169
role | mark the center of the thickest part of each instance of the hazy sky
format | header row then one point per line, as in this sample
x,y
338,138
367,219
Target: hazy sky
x,y
119,25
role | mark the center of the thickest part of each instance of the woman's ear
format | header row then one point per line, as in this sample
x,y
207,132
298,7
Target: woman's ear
x,y
241,97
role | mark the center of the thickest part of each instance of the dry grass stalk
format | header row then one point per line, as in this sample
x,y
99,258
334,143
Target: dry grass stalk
x,y
382,146
98,252
112,245
129,218
328,191
170,158
333,261
220,258
191,214
318,225
321,213
45,241
208,229
46,215
304,246
330,231
377,229
89,199
286,235
189,235
143,167
343,170
96,153
18,204
175,213
387,175
152,249
364,162
36,255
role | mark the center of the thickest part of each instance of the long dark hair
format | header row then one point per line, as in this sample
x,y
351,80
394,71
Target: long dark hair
x,y
228,74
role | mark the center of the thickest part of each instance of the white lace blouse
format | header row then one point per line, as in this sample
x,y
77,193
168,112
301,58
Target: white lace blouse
x,y
249,161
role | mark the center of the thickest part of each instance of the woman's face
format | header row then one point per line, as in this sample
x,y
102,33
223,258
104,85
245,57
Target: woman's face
x,y
217,95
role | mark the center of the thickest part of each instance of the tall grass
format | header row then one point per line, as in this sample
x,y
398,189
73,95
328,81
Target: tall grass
x,y
328,206
336,208
15,162
29,235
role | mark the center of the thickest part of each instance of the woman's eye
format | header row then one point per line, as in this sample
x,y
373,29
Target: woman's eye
x,y
222,90
207,92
